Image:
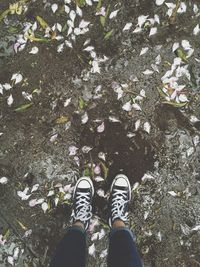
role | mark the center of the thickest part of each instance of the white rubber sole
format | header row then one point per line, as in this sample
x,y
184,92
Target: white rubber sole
x,y
127,180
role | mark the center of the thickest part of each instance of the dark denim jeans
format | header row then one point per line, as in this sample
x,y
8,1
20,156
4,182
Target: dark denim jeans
x,y
71,251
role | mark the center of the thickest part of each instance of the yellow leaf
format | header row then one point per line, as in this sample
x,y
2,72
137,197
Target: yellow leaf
x,y
22,226
62,120
42,22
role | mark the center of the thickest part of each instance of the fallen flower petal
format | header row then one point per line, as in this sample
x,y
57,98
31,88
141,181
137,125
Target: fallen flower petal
x,y
101,128
127,26
34,50
3,180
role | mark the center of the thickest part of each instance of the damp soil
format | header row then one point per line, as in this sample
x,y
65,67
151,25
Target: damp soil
x,y
162,223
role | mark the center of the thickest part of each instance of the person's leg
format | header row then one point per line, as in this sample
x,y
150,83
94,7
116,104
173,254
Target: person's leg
x,y
122,249
71,251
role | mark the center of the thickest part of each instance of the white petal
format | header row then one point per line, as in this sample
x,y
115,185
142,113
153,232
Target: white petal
x,y
141,20
72,15
72,150
183,98
196,228
158,60
89,48
101,128
94,236
67,9
84,118
101,193
67,102
195,9
95,67
147,72
91,250
7,86
135,186
83,24
86,149
17,77
33,202
69,44
104,253
159,2
60,48
113,14
196,30
102,233
35,188
3,180
39,201
10,100
147,127
79,11
137,30
102,156
144,51
137,125
136,106
113,119
77,31
182,8
98,179
88,2
34,50
10,260
51,193
153,31
186,44
59,27
127,26
143,93
54,7
44,206
127,106
172,193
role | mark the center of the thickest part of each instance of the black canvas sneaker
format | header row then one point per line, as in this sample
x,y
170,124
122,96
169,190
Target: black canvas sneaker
x,y
82,201
120,196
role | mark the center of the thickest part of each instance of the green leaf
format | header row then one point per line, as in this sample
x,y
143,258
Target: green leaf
x,y
181,53
64,27
161,92
82,103
12,29
87,172
42,22
175,104
99,6
80,3
103,20
7,234
23,107
108,34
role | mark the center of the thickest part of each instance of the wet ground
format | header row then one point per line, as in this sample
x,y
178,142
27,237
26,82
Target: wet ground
x,y
76,123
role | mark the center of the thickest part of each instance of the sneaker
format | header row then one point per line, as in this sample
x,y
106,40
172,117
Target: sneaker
x,y
120,196
82,201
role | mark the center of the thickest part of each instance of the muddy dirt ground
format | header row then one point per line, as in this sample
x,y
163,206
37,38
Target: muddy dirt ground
x,y
64,119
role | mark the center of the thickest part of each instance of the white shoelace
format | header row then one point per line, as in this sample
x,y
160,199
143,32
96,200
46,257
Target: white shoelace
x,y
118,204
83,206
